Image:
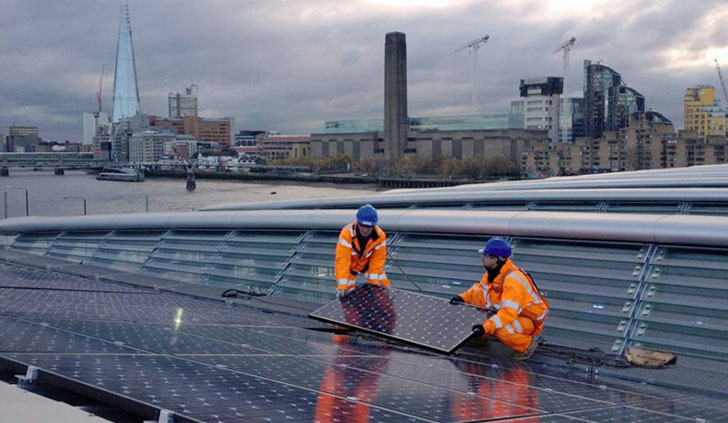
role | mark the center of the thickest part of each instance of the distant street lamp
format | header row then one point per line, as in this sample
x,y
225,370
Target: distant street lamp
x,y
27,212
78,198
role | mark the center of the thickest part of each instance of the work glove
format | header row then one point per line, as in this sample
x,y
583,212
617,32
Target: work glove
x,y
341,293
456,300
479,329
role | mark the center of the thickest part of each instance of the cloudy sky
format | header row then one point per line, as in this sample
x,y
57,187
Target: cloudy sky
x,y
289,65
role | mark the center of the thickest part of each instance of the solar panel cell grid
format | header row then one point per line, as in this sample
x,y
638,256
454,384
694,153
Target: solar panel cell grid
x,y
404,316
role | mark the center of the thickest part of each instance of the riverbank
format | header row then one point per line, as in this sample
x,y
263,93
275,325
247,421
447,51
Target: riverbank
x,y
381,183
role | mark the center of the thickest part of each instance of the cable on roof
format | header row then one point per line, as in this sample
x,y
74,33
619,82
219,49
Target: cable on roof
x,y
593,357
250,291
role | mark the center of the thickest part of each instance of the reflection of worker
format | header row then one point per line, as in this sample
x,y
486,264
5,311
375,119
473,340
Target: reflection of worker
x,y
376,313
511,387
504,287
353,389
362,248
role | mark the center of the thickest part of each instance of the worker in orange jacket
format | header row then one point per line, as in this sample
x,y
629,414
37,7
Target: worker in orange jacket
x,y
521,310
361,249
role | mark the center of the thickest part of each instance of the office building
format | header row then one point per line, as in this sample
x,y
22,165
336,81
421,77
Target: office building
x,y
20,139
183,104
541,104
148,146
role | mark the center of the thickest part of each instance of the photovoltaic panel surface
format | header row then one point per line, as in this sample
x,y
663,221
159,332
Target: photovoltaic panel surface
x,y
212,362
404,316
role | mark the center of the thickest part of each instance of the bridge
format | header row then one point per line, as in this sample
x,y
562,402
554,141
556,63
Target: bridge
x,y
58,161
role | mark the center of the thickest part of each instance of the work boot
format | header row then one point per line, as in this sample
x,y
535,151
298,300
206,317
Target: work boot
x,y
528,353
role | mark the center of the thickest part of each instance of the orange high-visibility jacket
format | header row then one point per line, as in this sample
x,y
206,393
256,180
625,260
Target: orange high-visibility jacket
x,y
513,294
352,259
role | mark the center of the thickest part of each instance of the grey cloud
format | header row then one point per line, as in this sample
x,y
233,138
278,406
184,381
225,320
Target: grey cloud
x,y
291,65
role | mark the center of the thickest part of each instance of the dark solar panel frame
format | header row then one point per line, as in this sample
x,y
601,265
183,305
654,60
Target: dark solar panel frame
x,y
460,317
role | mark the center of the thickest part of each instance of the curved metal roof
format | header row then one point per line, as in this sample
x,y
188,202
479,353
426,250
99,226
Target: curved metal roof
x,y
652,228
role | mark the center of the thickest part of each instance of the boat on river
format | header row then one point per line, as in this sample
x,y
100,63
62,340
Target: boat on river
x,y
122,174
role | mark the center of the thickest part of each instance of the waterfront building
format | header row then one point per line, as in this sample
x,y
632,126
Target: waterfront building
x,y
248,138
183,104
457,144
182,146
92,124
202,129
123,131
281,147
21,139
126,90
149,145
703,113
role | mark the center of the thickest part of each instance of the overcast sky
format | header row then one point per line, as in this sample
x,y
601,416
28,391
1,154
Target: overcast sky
x,y
290,65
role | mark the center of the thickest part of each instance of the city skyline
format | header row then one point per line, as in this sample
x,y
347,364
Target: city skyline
x,y
290,66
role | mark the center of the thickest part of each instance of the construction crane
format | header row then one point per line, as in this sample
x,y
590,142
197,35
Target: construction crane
x,y
473,48
565,47
722,84
98,93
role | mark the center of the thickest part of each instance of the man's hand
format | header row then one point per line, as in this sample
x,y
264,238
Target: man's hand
x,y
479,329
341,293
456,300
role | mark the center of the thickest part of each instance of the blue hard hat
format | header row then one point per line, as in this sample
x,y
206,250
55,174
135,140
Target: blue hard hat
x,y
496,247
367,215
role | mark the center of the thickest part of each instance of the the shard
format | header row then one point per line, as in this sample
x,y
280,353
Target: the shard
x,y
126,91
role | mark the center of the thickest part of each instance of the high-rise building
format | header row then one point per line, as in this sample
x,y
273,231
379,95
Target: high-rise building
x,y
396,122
608,101
571,119
598,79
126,91
92,124
703,113
183,104
623,101
541,104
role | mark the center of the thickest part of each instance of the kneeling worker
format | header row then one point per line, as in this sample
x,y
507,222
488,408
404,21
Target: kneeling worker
x,y
506,288
362,248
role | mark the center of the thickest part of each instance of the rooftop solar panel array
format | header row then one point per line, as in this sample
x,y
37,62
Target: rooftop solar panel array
x,y
609,295
210,362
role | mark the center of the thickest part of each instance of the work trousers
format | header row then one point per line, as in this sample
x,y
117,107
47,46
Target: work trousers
x,y
518,334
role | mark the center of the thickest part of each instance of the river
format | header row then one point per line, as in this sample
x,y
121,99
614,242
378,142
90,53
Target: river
x,y
46,193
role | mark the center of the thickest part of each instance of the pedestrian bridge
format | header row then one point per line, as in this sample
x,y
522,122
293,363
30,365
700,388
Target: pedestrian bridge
x,y
615,278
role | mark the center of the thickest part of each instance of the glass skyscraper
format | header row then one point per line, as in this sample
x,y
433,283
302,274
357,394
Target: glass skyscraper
x,y
126,92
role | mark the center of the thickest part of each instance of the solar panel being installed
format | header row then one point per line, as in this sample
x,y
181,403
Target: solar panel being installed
x,y
404,316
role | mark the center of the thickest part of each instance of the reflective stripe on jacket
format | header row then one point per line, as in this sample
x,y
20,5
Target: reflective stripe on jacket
x,y
352,259
512,294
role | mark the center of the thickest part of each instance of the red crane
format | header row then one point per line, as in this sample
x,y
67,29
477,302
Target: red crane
x,y
98,93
